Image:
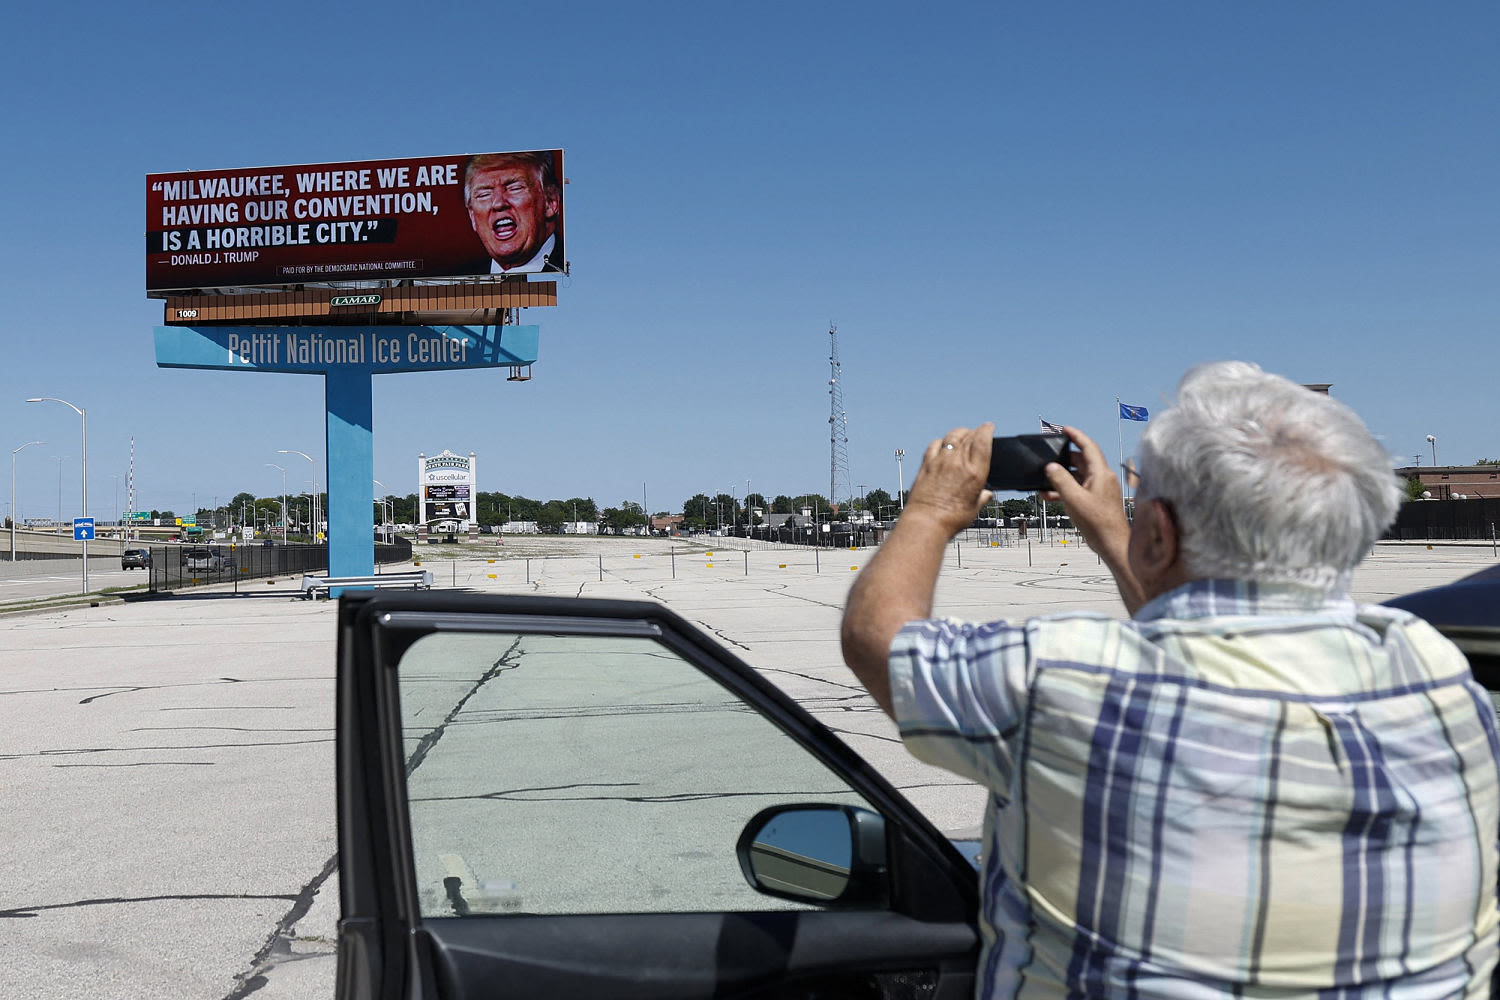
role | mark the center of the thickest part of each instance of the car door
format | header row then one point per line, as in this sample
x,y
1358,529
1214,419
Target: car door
x,y
559,798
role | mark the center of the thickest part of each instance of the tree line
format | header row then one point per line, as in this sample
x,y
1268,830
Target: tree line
x,y
700,512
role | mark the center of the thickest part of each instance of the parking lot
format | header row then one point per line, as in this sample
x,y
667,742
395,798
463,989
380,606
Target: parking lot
x,y
167,764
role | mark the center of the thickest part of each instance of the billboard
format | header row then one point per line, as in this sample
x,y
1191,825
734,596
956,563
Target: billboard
x,y
448,488
429,217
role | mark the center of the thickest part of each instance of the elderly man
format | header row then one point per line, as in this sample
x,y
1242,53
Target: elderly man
x,y
1252,787
514,204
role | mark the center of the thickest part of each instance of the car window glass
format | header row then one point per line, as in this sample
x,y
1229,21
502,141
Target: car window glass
x,y
586,774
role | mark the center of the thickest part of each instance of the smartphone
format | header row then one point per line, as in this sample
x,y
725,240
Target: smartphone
x,y
1016,463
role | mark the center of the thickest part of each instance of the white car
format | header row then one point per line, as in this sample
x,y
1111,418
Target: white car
x,y
204,560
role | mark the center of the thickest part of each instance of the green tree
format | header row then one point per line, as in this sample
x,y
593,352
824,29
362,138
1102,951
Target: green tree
x,y
753,501
817,502
627,515
877,500
1414,488
551,515
1488,461
782,504
1014,507
696,511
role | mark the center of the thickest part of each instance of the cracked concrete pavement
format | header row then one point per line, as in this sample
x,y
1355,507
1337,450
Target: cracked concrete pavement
x,y
167,765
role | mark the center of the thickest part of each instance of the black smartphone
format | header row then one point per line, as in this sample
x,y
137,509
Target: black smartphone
x,y
1016,463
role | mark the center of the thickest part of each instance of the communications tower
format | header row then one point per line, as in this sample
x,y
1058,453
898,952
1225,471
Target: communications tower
x,y
838,425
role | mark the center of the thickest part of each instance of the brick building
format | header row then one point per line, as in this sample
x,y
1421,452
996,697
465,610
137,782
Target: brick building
x,y
1456,482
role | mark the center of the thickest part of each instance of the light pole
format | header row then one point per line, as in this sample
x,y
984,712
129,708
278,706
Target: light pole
x,y
1433,441
116,477
381,501
84,417
60,459
900,480
291,451
273,465
28,444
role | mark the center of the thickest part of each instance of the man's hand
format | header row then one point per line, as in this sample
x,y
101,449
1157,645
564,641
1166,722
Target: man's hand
x,y
950,484
1092,493
897,585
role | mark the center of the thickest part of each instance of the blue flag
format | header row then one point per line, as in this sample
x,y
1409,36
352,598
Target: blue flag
x,y
1128,412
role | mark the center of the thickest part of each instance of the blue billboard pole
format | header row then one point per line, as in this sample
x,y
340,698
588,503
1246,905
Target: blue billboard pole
x,y
348,358
351,469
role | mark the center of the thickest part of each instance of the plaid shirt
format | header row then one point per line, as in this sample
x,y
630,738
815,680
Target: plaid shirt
x,y
1244,791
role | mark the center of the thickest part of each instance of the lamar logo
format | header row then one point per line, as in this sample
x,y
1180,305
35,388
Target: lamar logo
x,y
354,300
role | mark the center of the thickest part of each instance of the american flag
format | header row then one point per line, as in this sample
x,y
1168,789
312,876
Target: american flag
x,y
1048,427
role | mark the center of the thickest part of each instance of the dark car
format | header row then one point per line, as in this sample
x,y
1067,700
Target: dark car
x,y
1467,611
569,798
135,559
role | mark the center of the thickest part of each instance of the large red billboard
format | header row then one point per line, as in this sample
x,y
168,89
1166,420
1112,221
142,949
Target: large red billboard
x,y
431,217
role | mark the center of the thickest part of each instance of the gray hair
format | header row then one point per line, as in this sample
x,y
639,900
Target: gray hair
x,y
1270,481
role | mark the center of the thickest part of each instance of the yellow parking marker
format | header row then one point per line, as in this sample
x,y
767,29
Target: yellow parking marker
x,y
853,568
710,565
636,556
781,565
491,576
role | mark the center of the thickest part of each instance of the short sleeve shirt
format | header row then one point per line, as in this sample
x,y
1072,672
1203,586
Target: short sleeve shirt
x,y
1244,788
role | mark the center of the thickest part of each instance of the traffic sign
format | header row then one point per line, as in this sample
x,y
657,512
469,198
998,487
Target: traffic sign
x,y
83,529
140,515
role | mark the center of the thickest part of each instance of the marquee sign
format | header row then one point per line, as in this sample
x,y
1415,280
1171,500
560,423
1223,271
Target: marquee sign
x,y
448,488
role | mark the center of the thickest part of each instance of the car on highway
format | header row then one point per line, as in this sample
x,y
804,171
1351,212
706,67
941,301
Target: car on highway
x,y
568,797
135,559
210,559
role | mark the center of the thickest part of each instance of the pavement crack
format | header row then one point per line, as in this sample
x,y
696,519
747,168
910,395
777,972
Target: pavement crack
x,y
69,751
425,745
534,795
278,948
809,600
31,911
722,637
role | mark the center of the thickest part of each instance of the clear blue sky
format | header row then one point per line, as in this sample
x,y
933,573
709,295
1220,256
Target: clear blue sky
x,y
1008,209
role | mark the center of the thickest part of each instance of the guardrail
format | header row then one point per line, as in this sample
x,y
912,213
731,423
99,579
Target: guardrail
x,y
322,586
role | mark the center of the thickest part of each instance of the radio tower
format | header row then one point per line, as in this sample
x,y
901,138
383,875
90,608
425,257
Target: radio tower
x,y
838,425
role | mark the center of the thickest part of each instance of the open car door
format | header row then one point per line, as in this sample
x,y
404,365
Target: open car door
x,y
559,798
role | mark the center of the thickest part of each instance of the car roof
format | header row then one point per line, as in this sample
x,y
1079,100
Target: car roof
x,y
1472,602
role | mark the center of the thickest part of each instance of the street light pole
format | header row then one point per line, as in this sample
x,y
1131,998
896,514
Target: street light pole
x,y
381,501
900,480
1433,441
28,444
290,451
84,417
273,465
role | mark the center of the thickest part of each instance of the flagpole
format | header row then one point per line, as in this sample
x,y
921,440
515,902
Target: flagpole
x,y
1120,437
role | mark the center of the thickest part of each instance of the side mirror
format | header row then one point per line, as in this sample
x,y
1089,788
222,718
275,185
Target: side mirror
x,y
823,854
